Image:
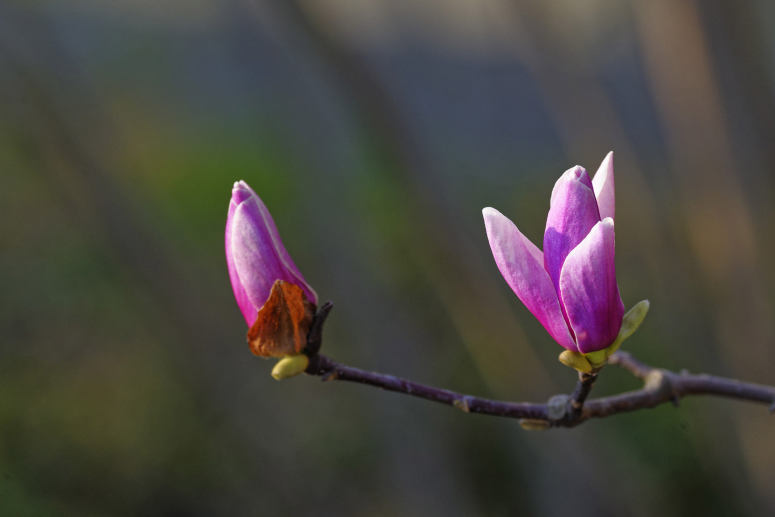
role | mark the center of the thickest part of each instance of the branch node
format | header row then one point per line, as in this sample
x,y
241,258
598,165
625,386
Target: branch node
x,y
655,380
557,406
661,382
463,404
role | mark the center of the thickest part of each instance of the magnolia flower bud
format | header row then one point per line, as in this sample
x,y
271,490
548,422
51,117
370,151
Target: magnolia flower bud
x,y
276,301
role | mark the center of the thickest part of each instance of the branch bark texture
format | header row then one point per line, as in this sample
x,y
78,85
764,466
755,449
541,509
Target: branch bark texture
x,y
660,386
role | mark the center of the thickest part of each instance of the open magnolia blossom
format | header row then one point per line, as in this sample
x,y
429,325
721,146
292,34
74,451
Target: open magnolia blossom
x,y
570,286
276,301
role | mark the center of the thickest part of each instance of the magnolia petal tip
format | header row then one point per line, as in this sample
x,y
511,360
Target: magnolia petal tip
x,y
603,184
489,212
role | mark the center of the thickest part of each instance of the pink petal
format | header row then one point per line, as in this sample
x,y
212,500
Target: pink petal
x,y
603,184
572,213
521,264
293,273
249,312
588,289
255,255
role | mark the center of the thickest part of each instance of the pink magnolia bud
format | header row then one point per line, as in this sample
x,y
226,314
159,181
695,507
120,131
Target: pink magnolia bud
x,y
259,266
570,286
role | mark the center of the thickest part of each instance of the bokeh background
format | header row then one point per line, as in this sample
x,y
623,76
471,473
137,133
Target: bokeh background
x,y
375,131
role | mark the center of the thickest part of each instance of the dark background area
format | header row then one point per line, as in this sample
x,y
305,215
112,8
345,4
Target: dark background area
x,y
375,131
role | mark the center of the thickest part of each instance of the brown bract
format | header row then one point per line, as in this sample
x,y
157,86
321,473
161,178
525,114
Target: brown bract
x,y
283,322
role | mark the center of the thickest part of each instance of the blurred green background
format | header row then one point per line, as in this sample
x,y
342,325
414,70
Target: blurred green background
x,y
375,131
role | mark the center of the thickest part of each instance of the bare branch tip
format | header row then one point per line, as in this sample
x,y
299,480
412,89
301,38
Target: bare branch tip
x,y
315,334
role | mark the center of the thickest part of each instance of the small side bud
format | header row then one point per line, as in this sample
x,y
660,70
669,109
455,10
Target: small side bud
x,y
534,424
575,360
290,366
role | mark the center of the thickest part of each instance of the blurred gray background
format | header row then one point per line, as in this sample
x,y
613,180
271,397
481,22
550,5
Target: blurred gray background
x,y
375,131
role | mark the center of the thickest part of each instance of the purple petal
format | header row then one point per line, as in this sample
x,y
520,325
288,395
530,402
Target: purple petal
x,y
246,307
588,289
603,184
521,264
255,255
572,213
293,274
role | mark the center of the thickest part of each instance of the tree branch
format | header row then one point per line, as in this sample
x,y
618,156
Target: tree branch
x,y
580,394
659,386
632,365
330,370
